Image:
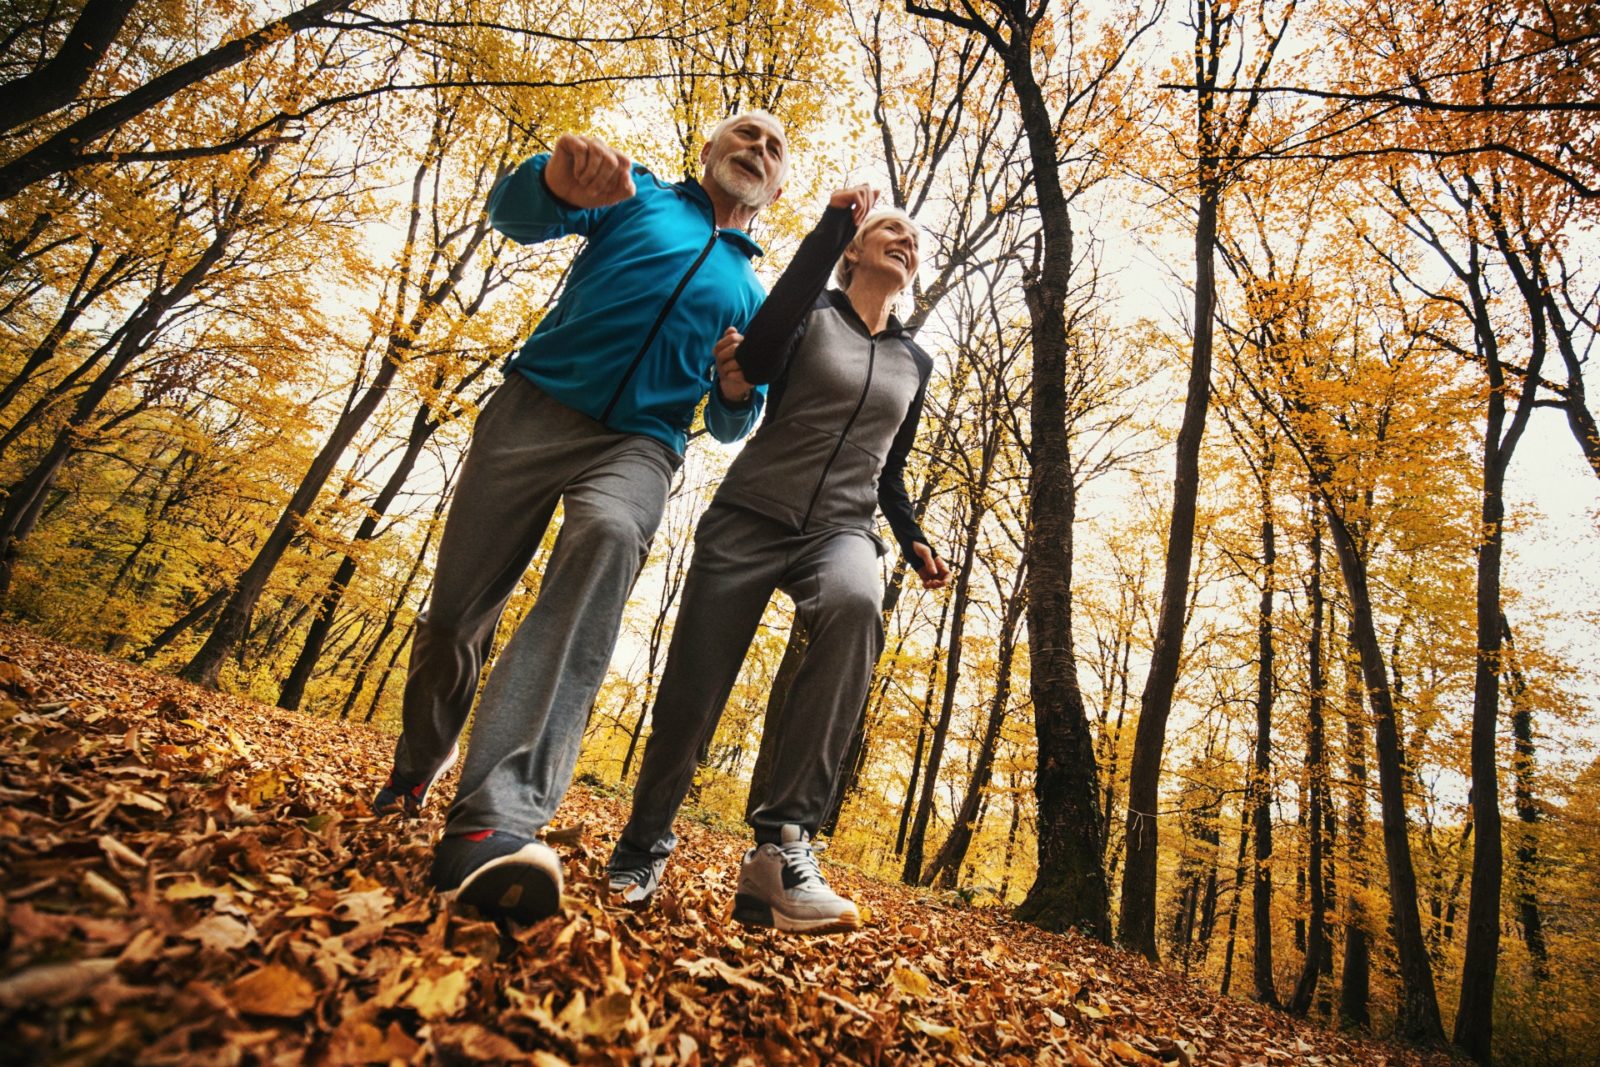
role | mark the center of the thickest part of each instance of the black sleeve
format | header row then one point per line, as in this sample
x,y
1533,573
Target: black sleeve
x,y
892,496
772,335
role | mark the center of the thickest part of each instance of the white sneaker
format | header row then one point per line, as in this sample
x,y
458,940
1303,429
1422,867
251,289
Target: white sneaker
x,y
782,886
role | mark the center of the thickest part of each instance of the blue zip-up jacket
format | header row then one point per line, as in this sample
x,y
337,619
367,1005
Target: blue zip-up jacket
x,y
630,341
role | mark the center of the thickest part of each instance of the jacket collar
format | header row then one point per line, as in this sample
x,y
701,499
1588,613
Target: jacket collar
x,y
691,188
839,300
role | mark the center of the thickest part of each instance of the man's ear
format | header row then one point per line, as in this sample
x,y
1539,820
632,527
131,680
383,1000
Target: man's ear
x,y
705,150
778,193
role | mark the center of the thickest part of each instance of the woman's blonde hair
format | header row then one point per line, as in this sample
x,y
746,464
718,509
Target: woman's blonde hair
x,y
845,269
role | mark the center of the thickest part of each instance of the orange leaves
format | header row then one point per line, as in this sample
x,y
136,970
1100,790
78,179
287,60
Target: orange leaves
x,y
273,990
300,929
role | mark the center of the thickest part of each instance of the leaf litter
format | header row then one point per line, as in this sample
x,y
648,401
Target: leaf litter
x,y
190,878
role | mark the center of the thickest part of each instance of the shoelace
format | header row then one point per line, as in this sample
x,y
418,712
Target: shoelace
x,y
800,857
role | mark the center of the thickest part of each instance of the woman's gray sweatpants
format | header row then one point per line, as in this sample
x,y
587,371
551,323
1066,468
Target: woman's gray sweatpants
x,y
528,452
740,557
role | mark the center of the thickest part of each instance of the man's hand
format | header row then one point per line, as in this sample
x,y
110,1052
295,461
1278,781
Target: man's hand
x,y
730,378
932,570
586,172
858,198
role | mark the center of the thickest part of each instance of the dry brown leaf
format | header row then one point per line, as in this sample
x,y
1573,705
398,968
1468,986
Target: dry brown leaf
x,y
712,967
221,933
910,982
441,990
359,1042
273,990
605,1018
950,1035
1128,1054
364,907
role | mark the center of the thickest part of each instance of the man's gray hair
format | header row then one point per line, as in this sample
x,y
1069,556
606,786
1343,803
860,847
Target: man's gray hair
x,y
766,116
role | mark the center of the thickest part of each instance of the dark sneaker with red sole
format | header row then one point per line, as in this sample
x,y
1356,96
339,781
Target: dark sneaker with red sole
x,y
502,876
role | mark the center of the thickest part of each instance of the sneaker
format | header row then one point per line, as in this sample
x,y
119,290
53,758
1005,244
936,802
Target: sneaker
x,y
408,799
635,883
782,886
504,876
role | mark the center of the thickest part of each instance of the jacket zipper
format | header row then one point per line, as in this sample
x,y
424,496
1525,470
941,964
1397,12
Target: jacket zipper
x,y
872,358
655,327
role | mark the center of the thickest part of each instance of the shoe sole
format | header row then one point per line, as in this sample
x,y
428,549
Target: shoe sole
x,y
753,911
519,887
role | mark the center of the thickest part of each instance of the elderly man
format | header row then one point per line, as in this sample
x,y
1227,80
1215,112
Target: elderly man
x,y
594,413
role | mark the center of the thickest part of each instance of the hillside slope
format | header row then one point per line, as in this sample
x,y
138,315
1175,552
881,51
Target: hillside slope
x,y
192,879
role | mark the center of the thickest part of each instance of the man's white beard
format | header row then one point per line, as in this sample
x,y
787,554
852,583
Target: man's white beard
x,y
739,183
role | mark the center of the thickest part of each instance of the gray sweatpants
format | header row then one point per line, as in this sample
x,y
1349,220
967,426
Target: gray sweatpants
x,y
740,557
528,452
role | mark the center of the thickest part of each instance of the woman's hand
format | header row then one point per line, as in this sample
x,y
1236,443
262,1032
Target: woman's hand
x,y
730,377
933,571
858,198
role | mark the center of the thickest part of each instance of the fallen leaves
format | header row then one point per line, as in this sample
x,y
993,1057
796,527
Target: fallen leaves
x,y
189,879
273,990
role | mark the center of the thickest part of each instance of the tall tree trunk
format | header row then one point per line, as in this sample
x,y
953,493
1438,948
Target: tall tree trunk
x,y
1526,877
1070,889
1247,807
1417,1010
1474,1031
1355,981
1261,894
1136,926
1317,948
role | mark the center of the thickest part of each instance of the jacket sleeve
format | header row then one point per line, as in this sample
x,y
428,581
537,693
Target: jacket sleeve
x,y
772,335
892,496
522,207
729,422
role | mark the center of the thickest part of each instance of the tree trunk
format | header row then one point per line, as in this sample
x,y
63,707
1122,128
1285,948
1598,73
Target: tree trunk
x,y
1137,919
1261,882
1526,877
1417,1009
1355,982
1245,810
1317,947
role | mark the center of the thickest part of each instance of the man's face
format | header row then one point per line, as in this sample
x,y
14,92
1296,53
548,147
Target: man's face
x,y
747,160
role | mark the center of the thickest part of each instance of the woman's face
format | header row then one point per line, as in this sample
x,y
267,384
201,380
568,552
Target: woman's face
x,y
891,247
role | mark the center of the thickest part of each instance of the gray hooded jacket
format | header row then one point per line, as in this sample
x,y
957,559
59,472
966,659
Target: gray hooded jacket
x,y
842,404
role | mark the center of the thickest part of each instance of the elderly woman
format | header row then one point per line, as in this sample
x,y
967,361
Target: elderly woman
x,y
796,513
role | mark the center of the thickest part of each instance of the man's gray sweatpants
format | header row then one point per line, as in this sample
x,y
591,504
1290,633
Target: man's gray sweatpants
x,y
528,452
740,557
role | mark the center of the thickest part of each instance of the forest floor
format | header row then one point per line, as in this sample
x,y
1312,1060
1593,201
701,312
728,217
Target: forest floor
x,y
190,878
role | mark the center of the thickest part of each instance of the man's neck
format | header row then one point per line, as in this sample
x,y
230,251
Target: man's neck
x,y
728,213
